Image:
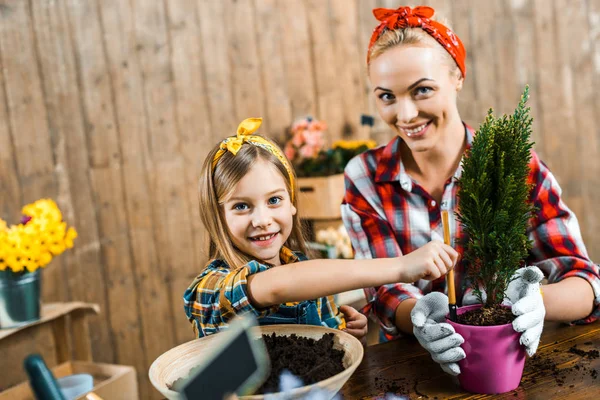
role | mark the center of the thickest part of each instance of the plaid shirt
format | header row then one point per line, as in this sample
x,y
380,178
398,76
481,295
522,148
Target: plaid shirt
x,y
219,293
387,214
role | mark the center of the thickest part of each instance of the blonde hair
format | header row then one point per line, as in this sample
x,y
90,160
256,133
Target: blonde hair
x,y
215,186
412,36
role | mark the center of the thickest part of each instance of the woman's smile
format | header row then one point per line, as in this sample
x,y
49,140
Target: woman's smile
x,y
417,131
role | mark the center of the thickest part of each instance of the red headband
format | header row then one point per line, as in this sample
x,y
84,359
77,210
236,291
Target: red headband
x,y
419,17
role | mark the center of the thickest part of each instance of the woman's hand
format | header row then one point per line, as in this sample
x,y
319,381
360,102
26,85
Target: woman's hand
x,y
356,323
428,262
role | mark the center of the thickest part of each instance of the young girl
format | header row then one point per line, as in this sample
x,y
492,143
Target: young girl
x,y
248,207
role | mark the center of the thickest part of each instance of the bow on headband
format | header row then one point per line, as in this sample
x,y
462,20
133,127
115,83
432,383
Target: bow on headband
x,y
403,17
245,131
419,17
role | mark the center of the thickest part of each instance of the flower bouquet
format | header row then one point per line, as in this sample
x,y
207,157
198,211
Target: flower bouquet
x,y
306,150
320,170
25,248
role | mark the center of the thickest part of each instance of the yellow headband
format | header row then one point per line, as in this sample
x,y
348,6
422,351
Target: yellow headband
x,y
245,132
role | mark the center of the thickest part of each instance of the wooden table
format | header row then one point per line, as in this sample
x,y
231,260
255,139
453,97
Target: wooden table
x,y
405,368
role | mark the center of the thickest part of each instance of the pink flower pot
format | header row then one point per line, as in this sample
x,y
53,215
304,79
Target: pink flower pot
x,y
495,358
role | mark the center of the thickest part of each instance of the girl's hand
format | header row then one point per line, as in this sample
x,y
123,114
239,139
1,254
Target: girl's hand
x,y
356,323
428,262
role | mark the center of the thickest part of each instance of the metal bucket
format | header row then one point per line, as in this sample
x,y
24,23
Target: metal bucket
x,y
19,298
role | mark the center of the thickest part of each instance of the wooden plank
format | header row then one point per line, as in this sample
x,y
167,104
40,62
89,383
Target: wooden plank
x,y
83,265
130,242
62,339
326,69
173,235
527,64
122,278
576,28
296,45
104,175
12,199
278,110
193,122
482,47
443,9
393,4
380,132
248,87
505,43
82,347
214,29
591,150
461,17
344,23
28,119
555,78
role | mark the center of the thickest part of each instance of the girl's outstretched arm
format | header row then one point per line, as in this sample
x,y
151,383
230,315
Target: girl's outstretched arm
x,y
312,279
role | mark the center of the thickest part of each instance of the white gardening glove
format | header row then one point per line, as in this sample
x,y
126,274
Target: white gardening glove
x,y
524,296
437,337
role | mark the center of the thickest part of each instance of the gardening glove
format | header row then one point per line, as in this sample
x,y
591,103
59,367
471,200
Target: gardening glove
x,y
437,337
525,297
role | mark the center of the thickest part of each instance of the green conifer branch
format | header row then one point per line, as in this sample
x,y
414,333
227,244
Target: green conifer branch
x,y
494,207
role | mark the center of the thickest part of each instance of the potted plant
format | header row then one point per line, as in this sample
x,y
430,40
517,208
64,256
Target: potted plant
x,y
320,171
494,212
25,248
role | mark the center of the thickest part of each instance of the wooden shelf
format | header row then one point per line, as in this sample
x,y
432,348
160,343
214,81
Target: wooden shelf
x,y
60,335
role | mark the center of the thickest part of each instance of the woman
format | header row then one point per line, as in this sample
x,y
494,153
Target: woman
x,y
394,194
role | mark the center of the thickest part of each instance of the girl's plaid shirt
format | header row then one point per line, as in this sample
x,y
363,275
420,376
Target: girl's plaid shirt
x,y
387,214
219,293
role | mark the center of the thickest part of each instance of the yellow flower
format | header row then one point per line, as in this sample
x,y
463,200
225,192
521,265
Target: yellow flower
x,y
37,239
354,144
71,235
45,258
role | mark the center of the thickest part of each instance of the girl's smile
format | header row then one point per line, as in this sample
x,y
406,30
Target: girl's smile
x,y
264,240
259,213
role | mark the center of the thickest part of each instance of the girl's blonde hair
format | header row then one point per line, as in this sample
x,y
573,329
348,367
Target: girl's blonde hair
x,y
412,36
217,184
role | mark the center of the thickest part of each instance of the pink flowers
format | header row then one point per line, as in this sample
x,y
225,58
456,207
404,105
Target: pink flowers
x,y
306,141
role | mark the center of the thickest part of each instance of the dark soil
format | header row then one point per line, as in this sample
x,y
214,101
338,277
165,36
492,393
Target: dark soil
x,y
487,316
539,367
308,359
394,386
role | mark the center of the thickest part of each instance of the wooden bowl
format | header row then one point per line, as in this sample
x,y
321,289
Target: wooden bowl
x,y
177,362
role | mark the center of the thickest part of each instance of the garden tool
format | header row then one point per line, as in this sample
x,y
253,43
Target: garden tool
x,y
450,275
41,379
524,295
437,337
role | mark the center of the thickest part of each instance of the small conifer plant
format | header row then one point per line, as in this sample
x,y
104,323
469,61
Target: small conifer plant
x,y
493,206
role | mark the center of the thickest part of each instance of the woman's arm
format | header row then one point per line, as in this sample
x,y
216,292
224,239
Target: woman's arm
x,y
568,300
573,289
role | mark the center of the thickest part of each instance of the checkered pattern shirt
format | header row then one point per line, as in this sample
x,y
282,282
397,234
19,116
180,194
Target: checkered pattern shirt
x,y
388,214
219,293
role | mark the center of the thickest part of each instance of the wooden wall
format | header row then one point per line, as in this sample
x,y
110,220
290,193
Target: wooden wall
x,y
109,106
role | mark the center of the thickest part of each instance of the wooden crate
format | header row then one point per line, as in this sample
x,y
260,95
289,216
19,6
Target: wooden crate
x,y
111,382
320,198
